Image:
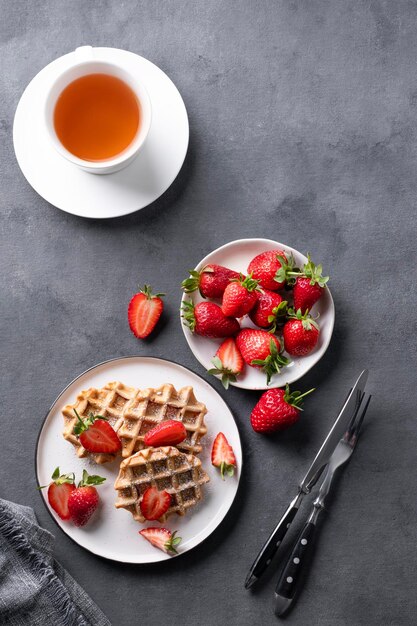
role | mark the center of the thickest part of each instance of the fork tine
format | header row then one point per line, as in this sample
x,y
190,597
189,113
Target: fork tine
x,y
350,427
358,425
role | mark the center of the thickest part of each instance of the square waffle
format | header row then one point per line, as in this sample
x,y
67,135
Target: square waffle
x,y
152,406
165,468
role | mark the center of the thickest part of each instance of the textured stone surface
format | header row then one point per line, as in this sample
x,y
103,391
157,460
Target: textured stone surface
x,y
303,128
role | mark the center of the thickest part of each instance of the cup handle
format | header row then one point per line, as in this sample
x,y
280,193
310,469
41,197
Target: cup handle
x,y
84,53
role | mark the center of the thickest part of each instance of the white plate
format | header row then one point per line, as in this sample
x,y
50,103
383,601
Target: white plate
x,y
88,195
236,255
113,533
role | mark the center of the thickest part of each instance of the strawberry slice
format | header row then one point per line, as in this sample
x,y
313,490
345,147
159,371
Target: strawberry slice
x,y
228,362
222,456
168,433
161,538
96,434
59,490
154,503
144,311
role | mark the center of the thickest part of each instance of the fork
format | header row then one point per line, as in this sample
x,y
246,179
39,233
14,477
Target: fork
x,y
290,579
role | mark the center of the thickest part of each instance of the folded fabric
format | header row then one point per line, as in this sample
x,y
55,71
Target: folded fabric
x,y
35,590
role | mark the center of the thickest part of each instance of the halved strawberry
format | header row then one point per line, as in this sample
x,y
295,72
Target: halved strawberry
x,y
168,433
222,456
97,435
161,538
144,311
228,362
154,503
59,491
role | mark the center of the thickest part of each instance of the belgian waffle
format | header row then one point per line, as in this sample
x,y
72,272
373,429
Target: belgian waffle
x,y
152,406
112,401
165,468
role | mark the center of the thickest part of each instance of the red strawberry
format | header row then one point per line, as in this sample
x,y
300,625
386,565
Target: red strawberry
x,y
300,334
84,500
222,456
228,362
240,296
207,319
268,268
276,410
154,503
161,538
59,491
309,287
144,311
261,349
269,310
96,434
211,281
168,433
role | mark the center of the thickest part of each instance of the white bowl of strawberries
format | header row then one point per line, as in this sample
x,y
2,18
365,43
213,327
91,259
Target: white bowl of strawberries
x,y
257,313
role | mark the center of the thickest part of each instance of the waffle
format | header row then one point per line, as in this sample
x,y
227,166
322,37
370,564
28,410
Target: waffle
x,y
112,401
152,406
165,468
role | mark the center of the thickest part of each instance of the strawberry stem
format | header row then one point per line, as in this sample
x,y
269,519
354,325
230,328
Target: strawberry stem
x,y
295,398
226,374
84,425
172,543
273,362
147,291
90,479
191,283
249,283
188,315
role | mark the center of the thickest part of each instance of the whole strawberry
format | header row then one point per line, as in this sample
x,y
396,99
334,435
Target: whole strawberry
x,y
240,296
265,268
228,362
277,409
262,350
207,319
211,281
269,311
83,501
300,333
309,286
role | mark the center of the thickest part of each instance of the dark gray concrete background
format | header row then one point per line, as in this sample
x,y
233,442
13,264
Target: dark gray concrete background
x,y
303,119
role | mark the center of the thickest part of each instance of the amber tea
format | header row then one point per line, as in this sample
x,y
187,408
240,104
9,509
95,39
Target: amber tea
x,y
97,117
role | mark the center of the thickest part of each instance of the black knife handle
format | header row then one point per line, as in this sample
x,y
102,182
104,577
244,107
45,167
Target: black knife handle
x,y
272,544
293,573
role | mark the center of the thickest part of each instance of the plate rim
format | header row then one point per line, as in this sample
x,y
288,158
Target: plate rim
x,y
52,406
119,214
268,241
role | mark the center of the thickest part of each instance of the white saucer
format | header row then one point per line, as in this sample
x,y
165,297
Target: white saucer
x,y
236,255
88,195
113,533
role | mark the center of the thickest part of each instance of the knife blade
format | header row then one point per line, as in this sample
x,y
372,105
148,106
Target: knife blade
x,y
321,459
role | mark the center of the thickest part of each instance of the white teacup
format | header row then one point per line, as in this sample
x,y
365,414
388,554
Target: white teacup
x,y
85,63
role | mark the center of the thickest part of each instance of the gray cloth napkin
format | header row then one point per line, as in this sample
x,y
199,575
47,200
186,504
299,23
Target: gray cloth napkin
x,y
35,590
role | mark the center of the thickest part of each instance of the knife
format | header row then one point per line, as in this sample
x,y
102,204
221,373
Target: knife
x,y
272,544
300,557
